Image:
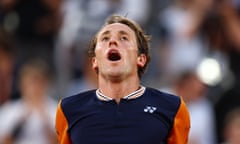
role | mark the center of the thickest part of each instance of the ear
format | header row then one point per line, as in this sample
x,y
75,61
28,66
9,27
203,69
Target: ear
x,y
94,63
141,60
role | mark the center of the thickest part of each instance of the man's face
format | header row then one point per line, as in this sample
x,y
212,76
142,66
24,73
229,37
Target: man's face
x,y
117,52
33,84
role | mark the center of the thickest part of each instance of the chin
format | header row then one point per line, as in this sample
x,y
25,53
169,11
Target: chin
x,y
114,75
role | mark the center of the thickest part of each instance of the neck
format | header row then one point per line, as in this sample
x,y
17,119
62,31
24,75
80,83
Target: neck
x,y
119,89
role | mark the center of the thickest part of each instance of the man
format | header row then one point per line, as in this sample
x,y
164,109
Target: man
x,y
30,119
121,111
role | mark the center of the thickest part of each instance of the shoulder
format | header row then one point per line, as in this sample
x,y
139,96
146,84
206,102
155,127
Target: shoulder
x,y
78,99
70,105
12,107
163,97
174,108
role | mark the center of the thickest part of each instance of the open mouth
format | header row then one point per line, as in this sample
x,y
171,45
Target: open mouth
x,y
114,55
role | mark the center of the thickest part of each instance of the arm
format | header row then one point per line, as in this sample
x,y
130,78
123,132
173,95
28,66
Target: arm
x,y
62,126
181,126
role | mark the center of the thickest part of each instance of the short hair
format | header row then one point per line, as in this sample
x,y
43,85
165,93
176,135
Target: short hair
x,y
36,64
143,40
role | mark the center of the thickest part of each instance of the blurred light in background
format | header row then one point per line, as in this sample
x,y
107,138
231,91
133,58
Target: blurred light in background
x,y
209,71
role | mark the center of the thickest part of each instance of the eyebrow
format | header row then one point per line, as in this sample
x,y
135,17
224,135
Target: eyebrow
x,y
106,32
120,32
123,32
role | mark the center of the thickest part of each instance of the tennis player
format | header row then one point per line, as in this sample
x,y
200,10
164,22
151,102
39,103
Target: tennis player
x,y
121,110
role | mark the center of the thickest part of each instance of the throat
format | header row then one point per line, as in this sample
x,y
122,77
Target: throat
x,y
117,95
118,87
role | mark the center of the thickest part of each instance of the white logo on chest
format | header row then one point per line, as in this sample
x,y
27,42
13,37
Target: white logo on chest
x,y
149,109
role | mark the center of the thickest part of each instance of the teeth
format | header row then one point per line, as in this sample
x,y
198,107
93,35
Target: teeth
x,y
114,56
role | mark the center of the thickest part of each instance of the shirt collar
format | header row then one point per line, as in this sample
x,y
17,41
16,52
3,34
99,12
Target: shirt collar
x,y
132,95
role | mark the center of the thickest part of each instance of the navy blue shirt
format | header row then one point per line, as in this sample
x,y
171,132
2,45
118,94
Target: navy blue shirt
x,y
147,119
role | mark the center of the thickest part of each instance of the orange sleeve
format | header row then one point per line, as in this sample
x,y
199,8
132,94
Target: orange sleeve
x,y
181,126
61,126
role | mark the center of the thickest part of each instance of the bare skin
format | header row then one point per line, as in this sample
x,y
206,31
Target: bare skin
x,y
117,61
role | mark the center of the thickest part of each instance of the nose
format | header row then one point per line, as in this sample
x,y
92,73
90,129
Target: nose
x,y
113,41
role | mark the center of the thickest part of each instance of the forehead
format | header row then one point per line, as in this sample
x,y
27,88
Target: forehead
x,y
116,27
